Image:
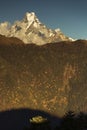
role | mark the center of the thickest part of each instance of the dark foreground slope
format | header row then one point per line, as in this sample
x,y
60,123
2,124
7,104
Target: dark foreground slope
x,y
52,77
19,119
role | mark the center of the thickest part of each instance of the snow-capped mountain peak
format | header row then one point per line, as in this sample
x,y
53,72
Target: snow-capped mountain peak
x,y
31,30
57,30
31,18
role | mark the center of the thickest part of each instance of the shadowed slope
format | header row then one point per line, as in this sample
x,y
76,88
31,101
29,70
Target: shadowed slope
x,y
52,77
9,40
18,119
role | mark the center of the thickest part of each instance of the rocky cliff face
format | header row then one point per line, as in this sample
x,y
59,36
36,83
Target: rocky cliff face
x,y
51,77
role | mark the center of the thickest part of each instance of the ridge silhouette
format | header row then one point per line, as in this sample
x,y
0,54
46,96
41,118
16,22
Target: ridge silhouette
x,y
18,119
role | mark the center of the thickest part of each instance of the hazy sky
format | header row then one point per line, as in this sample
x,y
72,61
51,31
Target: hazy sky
x,y
68,15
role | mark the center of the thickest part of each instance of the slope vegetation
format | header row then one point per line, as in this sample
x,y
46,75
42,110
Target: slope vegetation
x,y
52,77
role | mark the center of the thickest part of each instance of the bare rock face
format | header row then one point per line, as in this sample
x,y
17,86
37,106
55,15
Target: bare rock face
x,y
52,77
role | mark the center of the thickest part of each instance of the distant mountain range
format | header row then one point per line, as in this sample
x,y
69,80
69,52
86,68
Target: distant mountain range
x,y
31,30
51,77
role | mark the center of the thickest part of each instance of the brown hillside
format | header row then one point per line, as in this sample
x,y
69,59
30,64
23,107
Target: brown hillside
x,y
9,40
52,77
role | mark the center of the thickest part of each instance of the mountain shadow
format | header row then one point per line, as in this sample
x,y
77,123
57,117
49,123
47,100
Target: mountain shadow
x,y
18,119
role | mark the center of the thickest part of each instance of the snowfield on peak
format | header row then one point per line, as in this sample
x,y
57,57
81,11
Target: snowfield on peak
x,y
31,30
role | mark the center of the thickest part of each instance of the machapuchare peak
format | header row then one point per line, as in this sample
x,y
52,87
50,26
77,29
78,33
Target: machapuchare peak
x,y
31,30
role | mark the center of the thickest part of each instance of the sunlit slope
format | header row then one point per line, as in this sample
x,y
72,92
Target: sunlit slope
x,y
52,77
